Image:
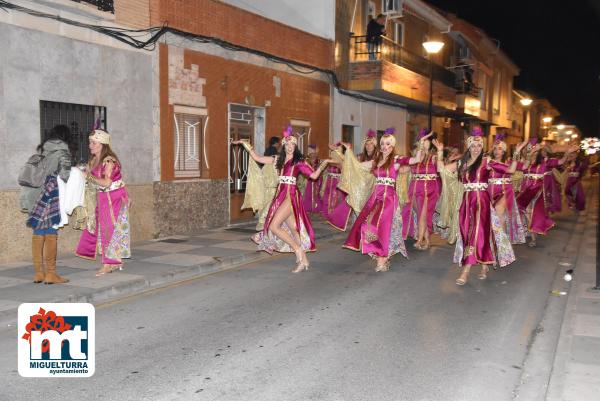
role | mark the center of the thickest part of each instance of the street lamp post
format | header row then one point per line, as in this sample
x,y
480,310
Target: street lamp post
x,y
431,47
526,102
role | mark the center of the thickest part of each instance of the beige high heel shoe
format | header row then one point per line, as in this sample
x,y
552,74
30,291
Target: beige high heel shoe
x,y
484,271
383,267
301,267
462,279
302,261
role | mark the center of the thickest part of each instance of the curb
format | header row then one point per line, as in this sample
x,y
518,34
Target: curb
x,y
176,275
556,381
539,365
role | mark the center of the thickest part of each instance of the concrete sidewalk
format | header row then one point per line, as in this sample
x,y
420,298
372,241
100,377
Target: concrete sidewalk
x,y
575,372
154,264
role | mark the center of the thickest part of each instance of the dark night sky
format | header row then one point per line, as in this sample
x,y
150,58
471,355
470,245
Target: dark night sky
x,y
555,43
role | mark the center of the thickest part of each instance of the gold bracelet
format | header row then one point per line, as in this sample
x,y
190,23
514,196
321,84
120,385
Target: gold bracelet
x,y
92,179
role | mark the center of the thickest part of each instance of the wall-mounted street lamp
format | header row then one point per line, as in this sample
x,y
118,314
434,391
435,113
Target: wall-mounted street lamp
x,y
431,47
526,101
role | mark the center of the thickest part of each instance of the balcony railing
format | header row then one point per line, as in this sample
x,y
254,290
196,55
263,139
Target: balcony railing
x,y
465,87
396,54
103,5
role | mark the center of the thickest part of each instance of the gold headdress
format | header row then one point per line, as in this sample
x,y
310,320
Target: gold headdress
x,y
101,136
475,137
288,136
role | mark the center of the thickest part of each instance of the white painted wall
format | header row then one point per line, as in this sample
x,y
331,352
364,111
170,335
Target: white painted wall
x,y
364,116
312,16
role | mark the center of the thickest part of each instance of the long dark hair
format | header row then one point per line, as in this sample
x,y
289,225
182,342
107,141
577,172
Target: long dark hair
x,y
364,156
464,160
295,158
60,132
504,155
538,158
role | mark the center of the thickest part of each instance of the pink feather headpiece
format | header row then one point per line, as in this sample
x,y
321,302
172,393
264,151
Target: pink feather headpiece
x,y
475,137
288,135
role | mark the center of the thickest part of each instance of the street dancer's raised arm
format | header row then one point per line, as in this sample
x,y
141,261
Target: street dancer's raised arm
x,y
451,167
256,157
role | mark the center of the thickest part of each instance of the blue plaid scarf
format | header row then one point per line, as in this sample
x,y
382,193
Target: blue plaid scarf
x,y
46,211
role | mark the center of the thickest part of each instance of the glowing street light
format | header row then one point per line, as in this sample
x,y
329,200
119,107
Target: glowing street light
x,y
526,101
547,119
431,47
560,126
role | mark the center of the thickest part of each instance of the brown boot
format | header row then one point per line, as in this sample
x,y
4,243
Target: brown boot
x,y
37,251
50,247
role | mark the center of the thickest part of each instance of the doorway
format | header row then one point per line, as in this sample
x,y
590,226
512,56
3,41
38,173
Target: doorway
x,y
245,123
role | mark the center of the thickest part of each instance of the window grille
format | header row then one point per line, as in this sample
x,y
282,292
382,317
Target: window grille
x,y
80,119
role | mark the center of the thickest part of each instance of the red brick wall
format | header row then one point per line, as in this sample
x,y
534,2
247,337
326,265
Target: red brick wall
x,y
133,13
216,19
301,98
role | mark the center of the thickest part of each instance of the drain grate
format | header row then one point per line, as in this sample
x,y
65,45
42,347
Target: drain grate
x,y
241,230
173,240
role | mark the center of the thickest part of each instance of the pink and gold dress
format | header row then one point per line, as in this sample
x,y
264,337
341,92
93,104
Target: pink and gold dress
x,y
425,186
334,207
499,186
111,236
312,194
481,238
287,188
573,188
377,230
531,197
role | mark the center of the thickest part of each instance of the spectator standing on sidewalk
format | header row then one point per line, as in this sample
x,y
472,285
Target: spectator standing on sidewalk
x,y
111,234
375,29
42,202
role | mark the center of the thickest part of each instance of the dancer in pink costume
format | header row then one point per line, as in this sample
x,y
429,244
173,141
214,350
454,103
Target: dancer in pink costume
x,y
576,168
110,234
287,226
423,193
334,207
503,195
552,188
530,199
312,193
377,230
480,238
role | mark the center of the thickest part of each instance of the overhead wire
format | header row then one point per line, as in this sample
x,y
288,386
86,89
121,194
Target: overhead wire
x,y
131,38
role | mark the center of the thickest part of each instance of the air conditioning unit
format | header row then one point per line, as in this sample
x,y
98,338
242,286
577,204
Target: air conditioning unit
x,y
391,7
464,53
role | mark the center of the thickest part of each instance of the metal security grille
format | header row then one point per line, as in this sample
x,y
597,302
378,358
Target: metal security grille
x,y
80,119
189,130
103,5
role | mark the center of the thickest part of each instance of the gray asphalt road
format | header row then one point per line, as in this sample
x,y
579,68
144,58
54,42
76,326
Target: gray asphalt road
x,y
337,332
